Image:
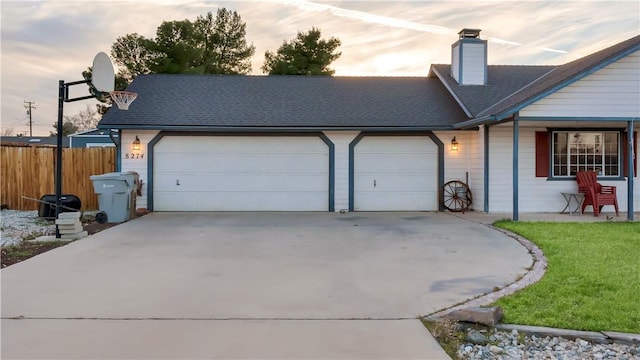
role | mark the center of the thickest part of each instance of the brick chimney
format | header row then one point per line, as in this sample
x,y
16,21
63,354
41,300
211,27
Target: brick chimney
x,y
469,58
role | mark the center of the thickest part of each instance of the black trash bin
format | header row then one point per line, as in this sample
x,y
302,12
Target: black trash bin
x,y
68,203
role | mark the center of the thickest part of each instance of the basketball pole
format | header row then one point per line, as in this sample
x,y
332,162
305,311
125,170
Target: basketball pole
x,y
61,92
63,96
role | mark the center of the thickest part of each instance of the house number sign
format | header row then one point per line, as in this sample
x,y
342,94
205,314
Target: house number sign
x,y
134,156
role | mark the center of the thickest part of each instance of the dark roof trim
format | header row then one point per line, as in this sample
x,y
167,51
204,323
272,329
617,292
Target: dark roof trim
x,y
450,90
273,129
466,125
607,119
517,92
92,136
88,132
509,112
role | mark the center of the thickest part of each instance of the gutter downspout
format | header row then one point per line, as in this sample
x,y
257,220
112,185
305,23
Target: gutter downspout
x,y
486,168
475,122
516,131
630,173
118,150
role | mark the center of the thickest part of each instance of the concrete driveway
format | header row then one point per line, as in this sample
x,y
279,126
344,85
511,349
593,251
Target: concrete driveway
x,y
253,285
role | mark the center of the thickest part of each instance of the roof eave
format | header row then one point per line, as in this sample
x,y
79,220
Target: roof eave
x,y
451,92
566,82
474,123
275,128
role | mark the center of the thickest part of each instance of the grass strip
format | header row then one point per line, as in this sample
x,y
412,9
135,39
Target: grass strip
x,y
592,281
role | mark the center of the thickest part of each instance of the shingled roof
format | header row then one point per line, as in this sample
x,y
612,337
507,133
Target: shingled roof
x,y
437,102
561,76
511,88
502,81
212,102
50,141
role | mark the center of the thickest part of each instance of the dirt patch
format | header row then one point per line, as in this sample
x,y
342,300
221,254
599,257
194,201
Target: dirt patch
x,y
95,227
14,254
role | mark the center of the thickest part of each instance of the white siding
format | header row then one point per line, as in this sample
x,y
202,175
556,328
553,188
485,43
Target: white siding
x,y
473,64
455,62
341,140
536,194
471,67
613,91
476,169
137,164
457,164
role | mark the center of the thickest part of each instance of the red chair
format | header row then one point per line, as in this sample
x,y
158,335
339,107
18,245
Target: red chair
x,y
595,194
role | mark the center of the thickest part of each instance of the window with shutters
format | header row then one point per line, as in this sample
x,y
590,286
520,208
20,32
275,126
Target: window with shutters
x,y
574,151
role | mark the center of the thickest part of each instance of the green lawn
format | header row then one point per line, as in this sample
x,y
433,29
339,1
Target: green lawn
x,y
592,280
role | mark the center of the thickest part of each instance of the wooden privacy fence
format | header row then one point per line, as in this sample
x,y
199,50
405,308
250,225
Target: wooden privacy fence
x,y
30,172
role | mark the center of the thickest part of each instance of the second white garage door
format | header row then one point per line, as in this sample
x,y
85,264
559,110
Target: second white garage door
x,y
395,173
241,173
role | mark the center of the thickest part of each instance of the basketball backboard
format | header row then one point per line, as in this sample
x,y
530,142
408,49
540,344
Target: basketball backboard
x,y
103,77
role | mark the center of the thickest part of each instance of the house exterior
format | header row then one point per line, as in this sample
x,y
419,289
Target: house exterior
x,y
292,143
93,138
50,141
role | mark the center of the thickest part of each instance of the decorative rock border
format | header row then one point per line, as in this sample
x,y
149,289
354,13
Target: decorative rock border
x,y
604,337
538,268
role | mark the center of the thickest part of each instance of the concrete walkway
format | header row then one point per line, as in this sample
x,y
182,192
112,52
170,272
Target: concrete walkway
x,y
253,285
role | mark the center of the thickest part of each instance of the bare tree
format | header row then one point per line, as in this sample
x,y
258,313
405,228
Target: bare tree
x,y
68,128
8,131
84,120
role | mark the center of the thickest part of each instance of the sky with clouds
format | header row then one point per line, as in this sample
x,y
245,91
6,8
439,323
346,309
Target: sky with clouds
x,y
46,41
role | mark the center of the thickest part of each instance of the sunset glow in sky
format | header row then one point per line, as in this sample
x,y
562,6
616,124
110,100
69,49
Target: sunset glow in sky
x,y
47,41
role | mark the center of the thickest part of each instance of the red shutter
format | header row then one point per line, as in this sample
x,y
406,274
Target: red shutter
x,y
625,158
542,154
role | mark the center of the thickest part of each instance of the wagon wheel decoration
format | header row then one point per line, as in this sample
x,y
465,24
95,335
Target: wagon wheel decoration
x,y
456,196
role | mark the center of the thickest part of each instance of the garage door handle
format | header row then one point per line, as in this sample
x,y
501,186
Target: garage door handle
x,y
178,182
374,182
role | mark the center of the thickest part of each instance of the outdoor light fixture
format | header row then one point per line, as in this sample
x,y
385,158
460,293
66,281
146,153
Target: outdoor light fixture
x,y
136,143
454,144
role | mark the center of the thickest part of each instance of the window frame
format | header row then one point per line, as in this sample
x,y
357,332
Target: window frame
x,y
551,160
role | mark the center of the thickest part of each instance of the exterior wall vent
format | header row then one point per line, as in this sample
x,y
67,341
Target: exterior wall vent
x,y
469,58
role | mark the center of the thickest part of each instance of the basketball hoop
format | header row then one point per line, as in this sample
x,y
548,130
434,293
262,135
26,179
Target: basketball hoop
x,y
123,98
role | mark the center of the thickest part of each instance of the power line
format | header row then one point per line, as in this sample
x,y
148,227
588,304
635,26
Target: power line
x,y
30,106
15,123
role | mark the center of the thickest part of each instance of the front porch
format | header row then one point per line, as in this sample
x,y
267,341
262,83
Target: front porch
x,y
489,218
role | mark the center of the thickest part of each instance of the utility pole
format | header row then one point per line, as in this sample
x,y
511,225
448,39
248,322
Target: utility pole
x,y
30,105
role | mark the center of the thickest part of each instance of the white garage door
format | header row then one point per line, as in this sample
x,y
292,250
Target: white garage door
x,y
395,173
240,173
